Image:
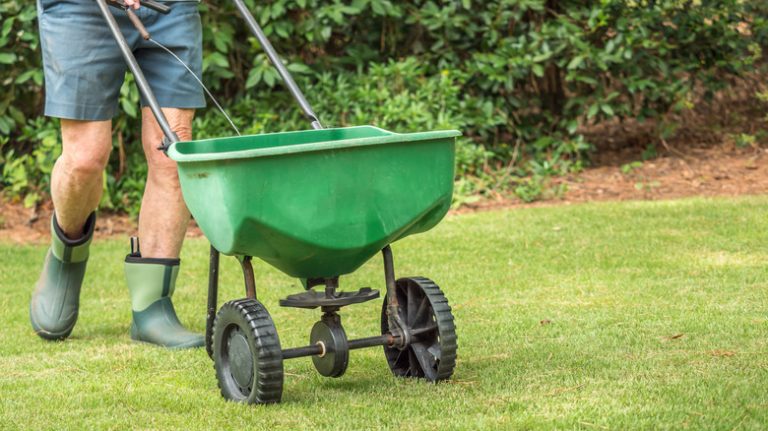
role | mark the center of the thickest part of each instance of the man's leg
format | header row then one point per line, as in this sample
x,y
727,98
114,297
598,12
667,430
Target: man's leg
x,y
163,221
76,186
77,177
164,216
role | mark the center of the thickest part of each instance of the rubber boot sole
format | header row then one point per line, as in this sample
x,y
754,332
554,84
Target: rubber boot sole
x,y
47,335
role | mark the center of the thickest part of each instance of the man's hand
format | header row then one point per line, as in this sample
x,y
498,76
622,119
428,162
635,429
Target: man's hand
x,y
133,3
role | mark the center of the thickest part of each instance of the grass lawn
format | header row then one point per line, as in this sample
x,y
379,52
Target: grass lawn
x,y
599,316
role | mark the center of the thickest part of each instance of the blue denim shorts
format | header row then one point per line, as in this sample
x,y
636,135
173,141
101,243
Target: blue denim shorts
x,y
84,68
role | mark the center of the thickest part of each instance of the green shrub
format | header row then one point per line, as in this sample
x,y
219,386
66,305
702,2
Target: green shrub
x,y
518,77
21,75
27,175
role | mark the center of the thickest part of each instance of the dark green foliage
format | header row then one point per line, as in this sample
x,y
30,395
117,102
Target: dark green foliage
x,y
20,73
518,77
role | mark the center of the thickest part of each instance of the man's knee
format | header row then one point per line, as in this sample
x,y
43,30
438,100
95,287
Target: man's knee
x,y
86,147
183,129
85,164
180,121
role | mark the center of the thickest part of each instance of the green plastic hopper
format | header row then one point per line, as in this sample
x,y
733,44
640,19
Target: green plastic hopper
x,y
316,203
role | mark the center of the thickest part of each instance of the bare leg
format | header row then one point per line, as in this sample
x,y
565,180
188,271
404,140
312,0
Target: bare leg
x,y
76,186
77,177
163,221
164,216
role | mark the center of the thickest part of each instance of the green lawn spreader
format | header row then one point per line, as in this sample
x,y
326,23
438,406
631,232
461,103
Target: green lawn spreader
x,y
316,204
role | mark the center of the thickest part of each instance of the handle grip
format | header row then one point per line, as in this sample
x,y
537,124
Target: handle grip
x,y
138,24
152,4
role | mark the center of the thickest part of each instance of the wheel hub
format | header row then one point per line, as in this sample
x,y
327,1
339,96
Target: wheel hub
x,y
240,359
330,334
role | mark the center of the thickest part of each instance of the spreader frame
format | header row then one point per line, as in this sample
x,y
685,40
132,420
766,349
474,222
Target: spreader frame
x,y
399,337
418,331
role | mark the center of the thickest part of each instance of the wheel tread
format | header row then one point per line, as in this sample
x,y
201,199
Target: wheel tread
x,y
254,315
445,325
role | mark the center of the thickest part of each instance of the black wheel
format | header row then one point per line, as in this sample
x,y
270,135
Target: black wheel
x,y
246,353
425,311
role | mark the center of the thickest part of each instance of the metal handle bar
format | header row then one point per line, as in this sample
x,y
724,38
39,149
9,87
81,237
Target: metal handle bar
x,y
278,63
138,75
169,136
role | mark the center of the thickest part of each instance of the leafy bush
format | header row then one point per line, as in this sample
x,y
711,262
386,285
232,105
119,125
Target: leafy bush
x,y
519,77
21,75
28,175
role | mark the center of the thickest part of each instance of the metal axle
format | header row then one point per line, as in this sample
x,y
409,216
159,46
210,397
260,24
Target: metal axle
x,y
317,349
361,343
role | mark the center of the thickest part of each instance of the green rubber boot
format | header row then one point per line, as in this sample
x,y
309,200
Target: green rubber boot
x,y
54,307
151,283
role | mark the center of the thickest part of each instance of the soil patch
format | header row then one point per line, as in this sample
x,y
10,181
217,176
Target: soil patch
x,y
22,225
722,170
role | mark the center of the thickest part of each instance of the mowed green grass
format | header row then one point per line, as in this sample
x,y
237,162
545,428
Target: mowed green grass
x,y
649,315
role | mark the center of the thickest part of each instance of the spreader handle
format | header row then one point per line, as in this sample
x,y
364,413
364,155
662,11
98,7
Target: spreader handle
x,y
169,136
138,24
155,6
278,63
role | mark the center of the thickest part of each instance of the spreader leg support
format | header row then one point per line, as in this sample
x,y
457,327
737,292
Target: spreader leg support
x,y
213,294
396,325
250,279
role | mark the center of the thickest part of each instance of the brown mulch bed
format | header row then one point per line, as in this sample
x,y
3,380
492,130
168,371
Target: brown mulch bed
x,y
32,225
723,170
716,171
